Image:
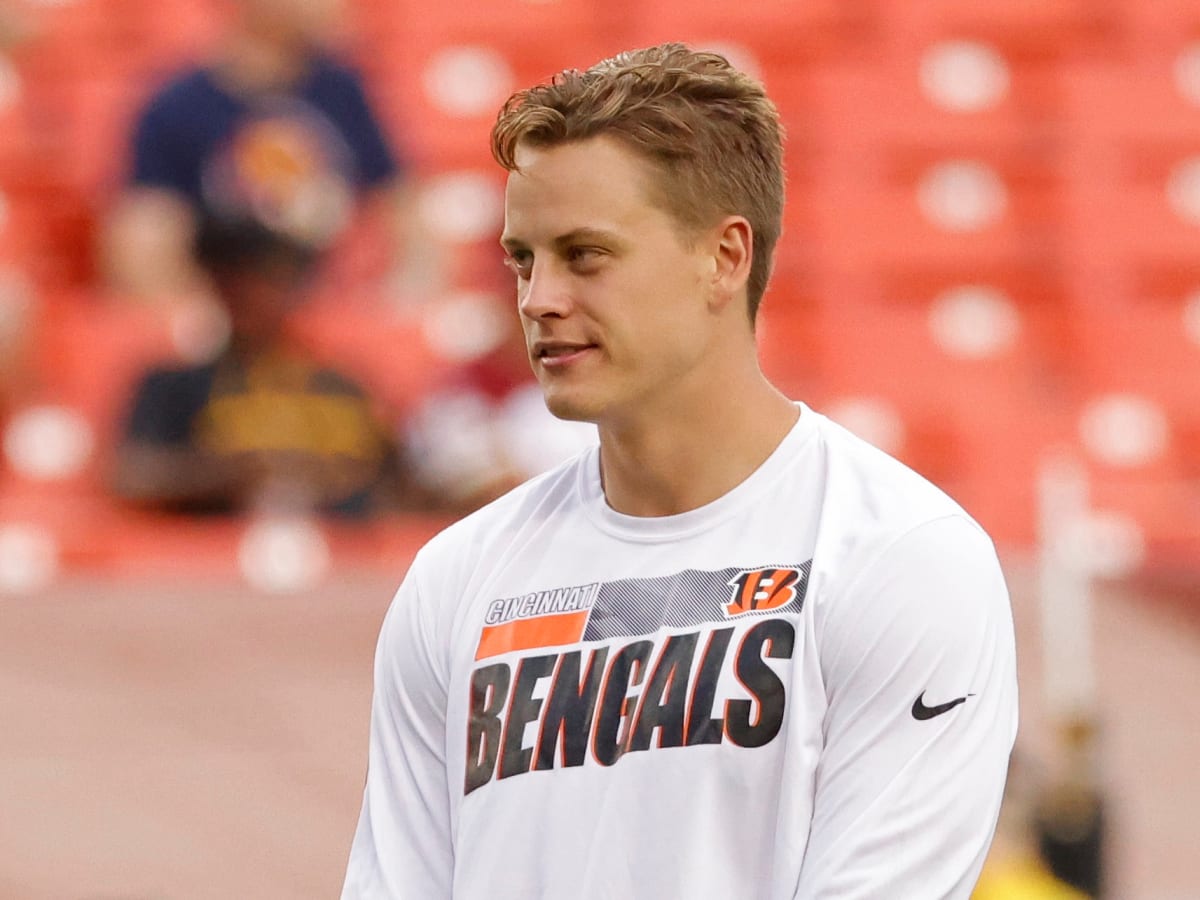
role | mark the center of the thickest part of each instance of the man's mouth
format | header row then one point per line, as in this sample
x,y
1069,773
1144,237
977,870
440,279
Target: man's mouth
x,y
554,354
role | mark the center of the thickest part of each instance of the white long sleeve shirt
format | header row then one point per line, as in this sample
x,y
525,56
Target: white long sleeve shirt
x,y
804,689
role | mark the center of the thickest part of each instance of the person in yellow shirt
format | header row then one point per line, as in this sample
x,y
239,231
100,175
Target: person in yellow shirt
x,y
1014,869
263,426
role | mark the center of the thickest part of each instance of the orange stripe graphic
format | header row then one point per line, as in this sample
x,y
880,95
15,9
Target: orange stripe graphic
x,y
525,634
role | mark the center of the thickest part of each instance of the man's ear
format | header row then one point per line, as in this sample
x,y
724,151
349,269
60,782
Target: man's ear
x,y
733,252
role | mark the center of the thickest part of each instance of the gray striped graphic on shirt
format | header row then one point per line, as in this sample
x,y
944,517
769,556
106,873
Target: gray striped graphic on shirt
x,y
636,606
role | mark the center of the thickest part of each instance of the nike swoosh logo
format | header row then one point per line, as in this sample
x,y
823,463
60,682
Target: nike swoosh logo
x,y
921,712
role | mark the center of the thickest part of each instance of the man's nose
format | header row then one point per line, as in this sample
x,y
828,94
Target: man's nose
x,y
546,293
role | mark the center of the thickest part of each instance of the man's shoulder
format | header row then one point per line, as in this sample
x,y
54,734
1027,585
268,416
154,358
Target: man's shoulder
x,y
882,523
871,501
879,480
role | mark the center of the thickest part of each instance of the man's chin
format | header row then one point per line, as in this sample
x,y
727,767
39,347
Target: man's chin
x,y
570,409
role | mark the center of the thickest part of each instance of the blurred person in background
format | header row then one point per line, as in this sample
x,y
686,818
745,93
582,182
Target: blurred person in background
x,y
17,328
18,307
1072,815
263,427
487,429
1015,869
272,125
15,25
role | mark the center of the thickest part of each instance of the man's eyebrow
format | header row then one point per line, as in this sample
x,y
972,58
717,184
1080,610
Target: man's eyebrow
x,y
574,236
585,234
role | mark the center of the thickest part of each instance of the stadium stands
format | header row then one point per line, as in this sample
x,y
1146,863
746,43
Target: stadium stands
x,y
992,243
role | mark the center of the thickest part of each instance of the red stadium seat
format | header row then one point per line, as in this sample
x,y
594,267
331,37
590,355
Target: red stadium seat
x,y
1140,348
440,94
941,357
22,238
893,140
391,359
1136,105
891,106
58,440
1028,28
91,354
505,20
1157,30
963,376
962,215
1125,236
18,150
889,164
986,460
1161,507
78,39
171,33
1132,202
772,29
788,338
96,120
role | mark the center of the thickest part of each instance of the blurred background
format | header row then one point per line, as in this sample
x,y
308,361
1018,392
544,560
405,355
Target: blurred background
x,y
256,346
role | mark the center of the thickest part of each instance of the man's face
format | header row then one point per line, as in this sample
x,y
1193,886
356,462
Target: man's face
x,y
612,298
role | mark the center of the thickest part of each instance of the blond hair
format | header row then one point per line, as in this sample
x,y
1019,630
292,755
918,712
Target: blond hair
x,y
710,130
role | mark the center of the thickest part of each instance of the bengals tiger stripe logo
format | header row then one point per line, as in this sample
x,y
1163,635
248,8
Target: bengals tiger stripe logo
x,y
761,589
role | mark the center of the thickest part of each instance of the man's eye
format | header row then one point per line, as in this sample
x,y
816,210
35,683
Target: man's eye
x,y
582,255
521,263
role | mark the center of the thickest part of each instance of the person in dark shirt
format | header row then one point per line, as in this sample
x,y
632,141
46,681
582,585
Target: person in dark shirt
x,y
272,126
262,427
1072,816
198,117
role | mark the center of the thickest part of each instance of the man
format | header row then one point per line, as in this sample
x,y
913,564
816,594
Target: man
x,y
732,652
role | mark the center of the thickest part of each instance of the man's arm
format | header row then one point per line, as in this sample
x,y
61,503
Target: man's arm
x,y
402,848
918,659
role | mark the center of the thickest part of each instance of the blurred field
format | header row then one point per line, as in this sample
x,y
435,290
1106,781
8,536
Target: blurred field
x,y
184,741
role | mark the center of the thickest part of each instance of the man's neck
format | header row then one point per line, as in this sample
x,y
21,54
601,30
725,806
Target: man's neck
x,y
690,454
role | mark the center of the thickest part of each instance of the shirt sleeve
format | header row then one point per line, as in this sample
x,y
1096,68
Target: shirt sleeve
x,y
165,405
920,673
160,156
375,158
402,847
